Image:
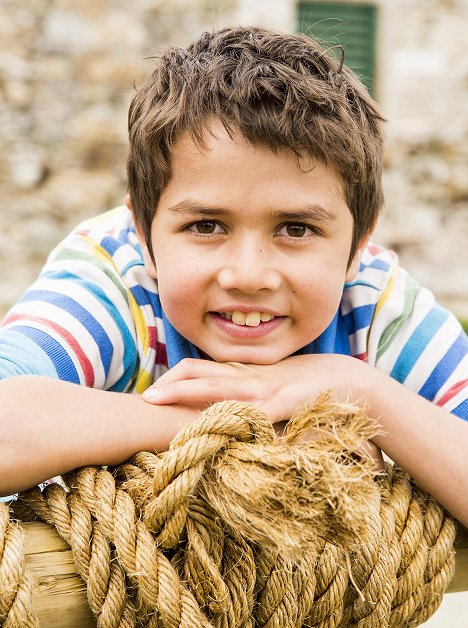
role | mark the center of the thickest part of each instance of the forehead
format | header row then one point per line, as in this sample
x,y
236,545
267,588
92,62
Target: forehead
x,y
221,151
227,171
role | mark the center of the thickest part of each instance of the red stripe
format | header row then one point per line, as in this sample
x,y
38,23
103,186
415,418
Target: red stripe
x,y
375,249
159,347
153,336
161,354
451,392
85,363
361,356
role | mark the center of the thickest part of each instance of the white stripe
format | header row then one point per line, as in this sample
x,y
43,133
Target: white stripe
x,y
434,352
55,336
458,375
423,303
95,309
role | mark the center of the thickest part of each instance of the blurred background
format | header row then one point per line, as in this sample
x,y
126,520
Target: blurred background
x,y
67,74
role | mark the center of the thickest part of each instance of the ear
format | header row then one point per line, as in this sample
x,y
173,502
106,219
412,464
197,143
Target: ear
x,y
353,269
149,264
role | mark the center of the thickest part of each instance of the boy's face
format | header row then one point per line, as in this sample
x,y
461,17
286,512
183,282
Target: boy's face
x,y
251,250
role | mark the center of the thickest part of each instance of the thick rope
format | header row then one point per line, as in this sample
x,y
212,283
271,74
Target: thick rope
x,y
236,527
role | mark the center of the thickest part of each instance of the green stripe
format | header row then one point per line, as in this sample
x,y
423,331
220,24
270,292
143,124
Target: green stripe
x,y
411,290
71,254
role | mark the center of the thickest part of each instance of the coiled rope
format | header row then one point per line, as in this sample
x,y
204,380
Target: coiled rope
x,y
234,526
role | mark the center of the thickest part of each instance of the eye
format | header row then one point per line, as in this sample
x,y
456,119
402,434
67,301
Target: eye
x,y
297,230
205,227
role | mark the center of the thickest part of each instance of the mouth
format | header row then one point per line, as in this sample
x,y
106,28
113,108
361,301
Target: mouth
x,y
246,319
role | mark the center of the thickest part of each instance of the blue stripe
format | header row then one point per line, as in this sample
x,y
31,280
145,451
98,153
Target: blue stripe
x,y
140,294
359,318
360,282
155,304
111,245
123,235
63,363
138,250
445,367
377,264
461,410
104,343
333,340
131,264
418,342
145,297
20,355
106,350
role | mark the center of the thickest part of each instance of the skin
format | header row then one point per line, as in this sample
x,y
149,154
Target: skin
x,y
48,427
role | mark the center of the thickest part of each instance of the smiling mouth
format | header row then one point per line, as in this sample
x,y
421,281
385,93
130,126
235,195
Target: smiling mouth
x,y
250,319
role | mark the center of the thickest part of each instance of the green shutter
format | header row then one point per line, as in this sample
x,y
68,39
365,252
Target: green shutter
x,y
348,24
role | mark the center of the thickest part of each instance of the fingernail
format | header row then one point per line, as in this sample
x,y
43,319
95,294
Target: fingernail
x,y
151,394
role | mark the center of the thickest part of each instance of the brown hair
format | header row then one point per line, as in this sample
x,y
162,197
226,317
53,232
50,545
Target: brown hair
x,y
277,89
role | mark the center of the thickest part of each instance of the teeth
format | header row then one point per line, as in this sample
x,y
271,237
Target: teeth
x,y
252,319
238,318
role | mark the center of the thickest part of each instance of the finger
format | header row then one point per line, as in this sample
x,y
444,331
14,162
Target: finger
x,y
201,391
190,368
371,450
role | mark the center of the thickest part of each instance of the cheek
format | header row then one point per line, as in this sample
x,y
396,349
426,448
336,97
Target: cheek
x,y
320,299
179,291
173,291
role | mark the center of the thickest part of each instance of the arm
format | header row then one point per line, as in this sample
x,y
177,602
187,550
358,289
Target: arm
x,y
425,440
48,427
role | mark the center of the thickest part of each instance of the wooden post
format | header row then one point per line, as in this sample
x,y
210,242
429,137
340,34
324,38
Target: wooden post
x,y
59,594
460,580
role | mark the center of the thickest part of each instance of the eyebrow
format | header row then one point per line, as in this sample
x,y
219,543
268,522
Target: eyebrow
x,y
313,212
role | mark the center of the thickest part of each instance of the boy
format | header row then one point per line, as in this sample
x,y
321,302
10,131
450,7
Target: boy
x,y
254,186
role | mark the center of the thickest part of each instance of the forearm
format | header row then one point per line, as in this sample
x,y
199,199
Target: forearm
x,y
428,442
48,427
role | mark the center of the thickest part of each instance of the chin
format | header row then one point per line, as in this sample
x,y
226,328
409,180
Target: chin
x,y
251,356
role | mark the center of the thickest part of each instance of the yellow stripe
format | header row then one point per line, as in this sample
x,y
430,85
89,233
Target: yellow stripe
x,y
143,381
386,294
140,323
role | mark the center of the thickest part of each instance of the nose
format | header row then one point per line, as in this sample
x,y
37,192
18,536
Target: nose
x,y
249,268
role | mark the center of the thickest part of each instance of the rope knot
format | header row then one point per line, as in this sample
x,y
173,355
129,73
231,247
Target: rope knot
x,y
178,471
277,492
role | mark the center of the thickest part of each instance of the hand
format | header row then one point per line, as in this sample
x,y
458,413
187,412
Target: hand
x,y
278,389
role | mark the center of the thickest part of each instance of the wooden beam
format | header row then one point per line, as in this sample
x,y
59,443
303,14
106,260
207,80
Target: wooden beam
x,y
460,580
59,594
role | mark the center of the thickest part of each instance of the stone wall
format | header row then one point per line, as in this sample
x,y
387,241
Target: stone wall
x,y
424,94
66,78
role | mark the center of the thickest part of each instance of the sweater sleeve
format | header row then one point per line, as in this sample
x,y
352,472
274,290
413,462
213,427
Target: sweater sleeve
x,y
87,319
419,343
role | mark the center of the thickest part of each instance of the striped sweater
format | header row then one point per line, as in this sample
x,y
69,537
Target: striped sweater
x,y
94,317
